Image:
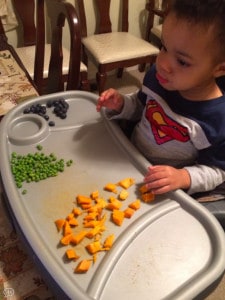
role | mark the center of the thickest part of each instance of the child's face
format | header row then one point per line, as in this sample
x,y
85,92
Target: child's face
x,y
186,62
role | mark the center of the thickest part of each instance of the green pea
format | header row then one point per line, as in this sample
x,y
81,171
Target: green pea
x,y
34,167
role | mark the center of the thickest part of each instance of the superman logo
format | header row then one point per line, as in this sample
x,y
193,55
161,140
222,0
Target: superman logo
x,y
163,127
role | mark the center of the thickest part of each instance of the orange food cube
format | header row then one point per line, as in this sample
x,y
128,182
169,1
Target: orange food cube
x,y
111,187
94,257
123,195
77,212
94,247
126,182
76,239
85,206
97,230
108,242
60,223
66,239
71,254
83,200
143,189
91,224
101,203
83,266
118,217
148,197
70,216
114,204
91,216
135,205
73,222
128,212
94,195
66,228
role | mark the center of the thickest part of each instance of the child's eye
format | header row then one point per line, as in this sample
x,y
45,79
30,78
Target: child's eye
x,y
183,63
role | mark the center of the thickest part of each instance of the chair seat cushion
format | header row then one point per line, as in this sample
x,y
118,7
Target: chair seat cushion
x,y
117,46
27,55
157,30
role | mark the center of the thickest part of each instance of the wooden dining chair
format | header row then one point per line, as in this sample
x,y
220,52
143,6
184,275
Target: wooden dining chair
x,y
155,19
16,84
36,53
4,45
112,50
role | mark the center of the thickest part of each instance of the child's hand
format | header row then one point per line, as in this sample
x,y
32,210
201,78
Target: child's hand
x,y
162,179
110,99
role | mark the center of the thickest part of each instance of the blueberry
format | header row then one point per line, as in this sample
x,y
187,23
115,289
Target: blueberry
x,y
51,123
26,110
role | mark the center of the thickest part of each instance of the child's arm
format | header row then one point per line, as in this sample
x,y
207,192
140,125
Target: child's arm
x,y
161,179
197,178
110,99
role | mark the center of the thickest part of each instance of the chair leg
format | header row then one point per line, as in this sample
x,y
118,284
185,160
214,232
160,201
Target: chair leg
x,y
84,82
141,67
120,73
101,81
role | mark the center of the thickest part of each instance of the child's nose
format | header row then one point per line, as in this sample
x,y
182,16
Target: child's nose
x,y
164,62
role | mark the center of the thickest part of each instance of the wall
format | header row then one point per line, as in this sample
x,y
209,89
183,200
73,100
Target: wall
x,y
137,19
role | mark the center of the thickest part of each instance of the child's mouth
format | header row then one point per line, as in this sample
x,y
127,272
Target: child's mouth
x,y
161,79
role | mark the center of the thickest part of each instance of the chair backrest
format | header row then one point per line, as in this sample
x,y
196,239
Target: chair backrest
x,y
4,45
154,11
2,31
26,14
58,12
33,15
104,24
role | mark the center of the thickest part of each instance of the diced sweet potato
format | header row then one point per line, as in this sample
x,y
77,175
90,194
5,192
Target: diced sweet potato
x,y
85,206
83,266
66,228
70,216
83,200
123,195
77,212
135,205
91,224
94,247
59,224
71,254
101,203
95,195
76,239
126,182
128,212
91,216
111,187
96,230
73,222
114,204
108,242
143,189
94,257
148,197
65,240
118,217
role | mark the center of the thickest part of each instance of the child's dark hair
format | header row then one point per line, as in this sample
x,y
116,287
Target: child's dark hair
x,y
205,13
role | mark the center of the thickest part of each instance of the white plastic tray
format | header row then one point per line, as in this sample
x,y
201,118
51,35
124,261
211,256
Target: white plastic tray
x,y
172,248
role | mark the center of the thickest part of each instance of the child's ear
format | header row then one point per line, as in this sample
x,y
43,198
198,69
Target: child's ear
x,y
220,70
